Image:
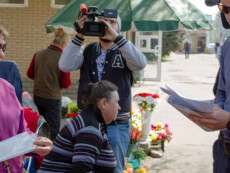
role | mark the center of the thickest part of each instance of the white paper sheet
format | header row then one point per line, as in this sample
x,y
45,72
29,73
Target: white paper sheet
x,y
187,106
17,145
202,106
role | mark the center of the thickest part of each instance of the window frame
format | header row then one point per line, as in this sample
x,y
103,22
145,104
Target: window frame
x,y
146,38
53,5
25,4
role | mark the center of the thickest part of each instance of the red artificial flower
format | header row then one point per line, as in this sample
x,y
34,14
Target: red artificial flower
x,y
155,96
159,137
135,134
143,94
71,115
163,135
31,118
153,127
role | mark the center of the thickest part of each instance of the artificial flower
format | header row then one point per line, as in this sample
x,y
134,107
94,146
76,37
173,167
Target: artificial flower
x,y
146,101
160,132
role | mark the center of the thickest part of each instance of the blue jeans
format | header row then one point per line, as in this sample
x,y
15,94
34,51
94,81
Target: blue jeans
x,y
119,137
221,161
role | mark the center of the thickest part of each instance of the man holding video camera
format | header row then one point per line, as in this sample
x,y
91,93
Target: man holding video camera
x,y
113,58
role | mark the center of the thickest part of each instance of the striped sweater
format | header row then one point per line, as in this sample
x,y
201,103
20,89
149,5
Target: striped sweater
x,y
81,146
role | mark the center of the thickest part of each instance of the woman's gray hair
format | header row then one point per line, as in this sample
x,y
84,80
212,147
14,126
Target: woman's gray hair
x,y
60,37
3,32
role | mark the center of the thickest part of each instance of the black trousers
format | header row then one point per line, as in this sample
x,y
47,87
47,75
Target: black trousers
x,y
50,109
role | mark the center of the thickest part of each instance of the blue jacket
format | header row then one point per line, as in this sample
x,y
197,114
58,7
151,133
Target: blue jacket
x,y
10,72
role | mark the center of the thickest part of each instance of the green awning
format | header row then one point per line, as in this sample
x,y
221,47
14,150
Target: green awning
x,y
147,15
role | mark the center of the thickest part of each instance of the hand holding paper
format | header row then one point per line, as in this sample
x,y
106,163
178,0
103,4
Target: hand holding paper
x,y
216,120
43,146
17,146
24,143
204,113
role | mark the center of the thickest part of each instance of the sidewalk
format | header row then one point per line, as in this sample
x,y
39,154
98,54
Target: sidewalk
x,y
191,148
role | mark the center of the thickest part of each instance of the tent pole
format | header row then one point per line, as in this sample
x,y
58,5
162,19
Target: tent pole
x,y
159,56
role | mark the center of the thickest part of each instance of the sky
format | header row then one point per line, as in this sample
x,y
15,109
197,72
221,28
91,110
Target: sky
x,y
205,9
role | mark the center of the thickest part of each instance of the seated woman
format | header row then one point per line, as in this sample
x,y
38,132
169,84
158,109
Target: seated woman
x,y
82,145
12,123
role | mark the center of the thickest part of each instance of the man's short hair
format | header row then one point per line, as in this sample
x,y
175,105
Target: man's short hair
x,y
3,32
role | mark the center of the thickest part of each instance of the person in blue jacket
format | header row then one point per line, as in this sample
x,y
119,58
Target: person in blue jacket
x,y
9,69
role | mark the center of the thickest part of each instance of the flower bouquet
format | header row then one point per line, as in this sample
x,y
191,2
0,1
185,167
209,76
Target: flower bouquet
x,y
134,162
159,133
69,108
135,131
146,103
135,127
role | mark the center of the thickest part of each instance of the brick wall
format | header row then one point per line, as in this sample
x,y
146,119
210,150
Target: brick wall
x,y
26,26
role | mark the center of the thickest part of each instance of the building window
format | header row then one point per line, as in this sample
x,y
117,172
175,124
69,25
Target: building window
x,y
13,3
59,3
148,42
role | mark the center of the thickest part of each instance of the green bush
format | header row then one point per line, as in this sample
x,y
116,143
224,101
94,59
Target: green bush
x,y
151,57
171,42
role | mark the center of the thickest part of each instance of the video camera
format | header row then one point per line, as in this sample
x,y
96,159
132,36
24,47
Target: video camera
x,y
91,26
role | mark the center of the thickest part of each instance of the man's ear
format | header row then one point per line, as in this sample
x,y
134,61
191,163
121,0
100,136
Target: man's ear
x,y
102,103
225,23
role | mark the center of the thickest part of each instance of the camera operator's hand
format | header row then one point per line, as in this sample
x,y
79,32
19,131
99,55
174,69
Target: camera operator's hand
x,y
79,25
111,29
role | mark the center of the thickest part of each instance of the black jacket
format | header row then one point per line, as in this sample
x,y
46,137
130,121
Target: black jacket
x,y
115,71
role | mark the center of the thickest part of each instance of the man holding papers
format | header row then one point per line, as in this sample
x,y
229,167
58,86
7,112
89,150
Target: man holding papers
x,y
209,115
221,149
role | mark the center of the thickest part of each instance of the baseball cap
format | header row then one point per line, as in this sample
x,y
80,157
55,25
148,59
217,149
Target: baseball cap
x,y
225,23
212,2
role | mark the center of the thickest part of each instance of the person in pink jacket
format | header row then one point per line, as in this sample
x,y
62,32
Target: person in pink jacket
x,y
12,123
